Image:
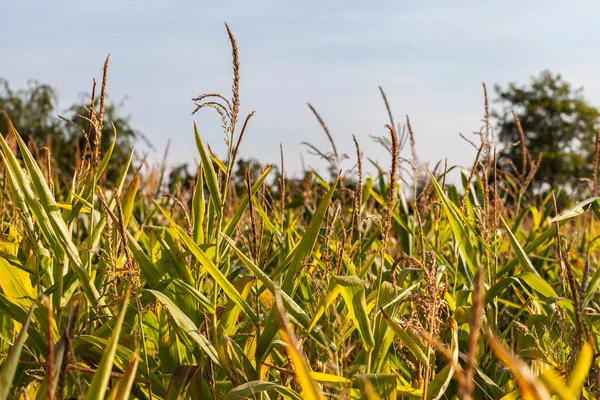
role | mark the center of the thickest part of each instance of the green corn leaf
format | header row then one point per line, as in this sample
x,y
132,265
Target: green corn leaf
x,y
198,208
575,211
147,267
18,196
331,379
495,290
409,392
170,251
308,240
440,383
24,197
209,173
228,321
123,389
398,297
16,285
94,240
196,295
592,288
249,389
241,359
530,387
550,232
457,223
537,283
9,367
180,381
381,385
128,200
96,346
521,254
243,204
216,160
409,340
352,290
211,268
300,253
48,215
188,328
101,378
289,304
77,203
310,388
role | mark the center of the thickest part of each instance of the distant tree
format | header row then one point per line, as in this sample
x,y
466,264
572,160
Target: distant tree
x,y
33,111
247,164
557,121
180,178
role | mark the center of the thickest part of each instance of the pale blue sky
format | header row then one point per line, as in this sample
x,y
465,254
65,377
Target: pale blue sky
x,y
430,57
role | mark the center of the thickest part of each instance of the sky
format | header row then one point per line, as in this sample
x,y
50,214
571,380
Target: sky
x,y
430,57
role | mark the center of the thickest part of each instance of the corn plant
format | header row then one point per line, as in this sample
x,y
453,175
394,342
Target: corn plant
x,y
400,284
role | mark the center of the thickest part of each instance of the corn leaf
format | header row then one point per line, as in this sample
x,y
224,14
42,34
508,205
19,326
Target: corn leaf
x,y
407,339
581,368
530,387
211,268
457,224
352,290
198,208
101,378
249,389
9,367
188,328
209,173
440,383
123,389
58,228
310,389
521,254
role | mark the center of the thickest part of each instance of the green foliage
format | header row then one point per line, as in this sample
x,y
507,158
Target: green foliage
x,y
557,122
33,111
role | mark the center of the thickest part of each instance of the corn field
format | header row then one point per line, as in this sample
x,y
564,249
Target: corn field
x,y
398,284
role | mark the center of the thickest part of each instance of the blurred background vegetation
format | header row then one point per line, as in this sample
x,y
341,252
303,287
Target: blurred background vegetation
x,y
558,126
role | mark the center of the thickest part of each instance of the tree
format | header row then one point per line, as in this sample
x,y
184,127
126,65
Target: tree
x,y
180,178
557,121
33,112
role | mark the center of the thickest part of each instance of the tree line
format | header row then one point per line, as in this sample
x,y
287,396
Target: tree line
x,y
545,124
